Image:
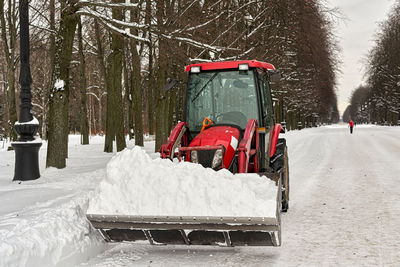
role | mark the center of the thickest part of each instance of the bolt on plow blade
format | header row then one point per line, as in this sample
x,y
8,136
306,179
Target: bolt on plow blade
x,y
176,230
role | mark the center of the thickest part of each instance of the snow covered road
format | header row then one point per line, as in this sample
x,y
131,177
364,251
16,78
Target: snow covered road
x,y
344,208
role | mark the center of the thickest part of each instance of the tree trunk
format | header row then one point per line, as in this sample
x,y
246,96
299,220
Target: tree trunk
x,y
110,128
137,90
108,144
129,99
161,111
84,124
9,52
52,48
57,150
115,117
150,79
12,108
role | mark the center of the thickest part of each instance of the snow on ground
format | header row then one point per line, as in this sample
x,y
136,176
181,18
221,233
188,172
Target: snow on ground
x,y
138,185
344,209
42,222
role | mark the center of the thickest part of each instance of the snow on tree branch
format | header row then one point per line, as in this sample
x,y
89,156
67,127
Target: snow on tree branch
x,y
93,13
197,44
106,4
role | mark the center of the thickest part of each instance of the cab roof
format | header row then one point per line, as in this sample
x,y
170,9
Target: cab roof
x,y
219,65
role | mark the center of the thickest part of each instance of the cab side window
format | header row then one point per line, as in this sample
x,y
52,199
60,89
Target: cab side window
x,y
266,100
269,104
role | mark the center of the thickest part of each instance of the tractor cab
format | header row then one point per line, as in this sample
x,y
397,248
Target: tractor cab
x,y
221,99
229,93
228,118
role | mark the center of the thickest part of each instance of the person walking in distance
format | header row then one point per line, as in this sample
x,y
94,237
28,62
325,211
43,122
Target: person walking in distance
x,y
351,125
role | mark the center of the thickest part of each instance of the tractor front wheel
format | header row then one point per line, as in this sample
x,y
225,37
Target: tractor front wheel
x,y
280,164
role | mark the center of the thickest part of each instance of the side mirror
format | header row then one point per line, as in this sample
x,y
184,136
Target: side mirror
x,y
274,75
171,83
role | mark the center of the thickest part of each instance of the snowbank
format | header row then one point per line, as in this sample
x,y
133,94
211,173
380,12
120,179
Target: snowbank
x,y
138,185
53,237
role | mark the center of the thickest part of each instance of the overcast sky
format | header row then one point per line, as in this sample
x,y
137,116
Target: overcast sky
x,y
356,37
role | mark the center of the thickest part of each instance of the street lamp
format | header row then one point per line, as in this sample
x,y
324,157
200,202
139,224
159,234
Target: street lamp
x,y
398,120
26,148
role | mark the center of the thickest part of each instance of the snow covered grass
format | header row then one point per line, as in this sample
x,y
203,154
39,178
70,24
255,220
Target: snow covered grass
x,y
49,236
139,185
42,222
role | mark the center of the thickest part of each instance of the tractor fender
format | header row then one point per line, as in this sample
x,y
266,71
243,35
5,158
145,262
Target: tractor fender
x,y
273,138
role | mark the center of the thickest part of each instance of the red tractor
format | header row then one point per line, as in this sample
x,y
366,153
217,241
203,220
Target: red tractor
x,y
228,123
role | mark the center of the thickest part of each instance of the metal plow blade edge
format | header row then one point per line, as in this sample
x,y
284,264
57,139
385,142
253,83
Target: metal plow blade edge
x,y
222,231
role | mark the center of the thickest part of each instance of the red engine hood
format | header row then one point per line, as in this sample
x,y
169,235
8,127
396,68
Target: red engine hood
x,y
219,135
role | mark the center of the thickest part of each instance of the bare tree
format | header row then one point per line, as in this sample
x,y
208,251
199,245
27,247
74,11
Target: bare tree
x,y
9,38
57,150
84,124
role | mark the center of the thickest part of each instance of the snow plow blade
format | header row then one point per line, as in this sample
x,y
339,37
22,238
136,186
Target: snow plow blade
x,y
190,230
222,231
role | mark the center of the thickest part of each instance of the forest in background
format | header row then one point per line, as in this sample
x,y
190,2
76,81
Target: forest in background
x,y
99,67
378,101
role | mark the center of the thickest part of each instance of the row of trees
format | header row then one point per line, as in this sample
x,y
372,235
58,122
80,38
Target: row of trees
x,y
379,100
100,66
357,110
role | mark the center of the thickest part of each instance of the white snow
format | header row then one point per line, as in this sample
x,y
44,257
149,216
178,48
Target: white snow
x,y
138,185
59,85
43,222
33,121
344,208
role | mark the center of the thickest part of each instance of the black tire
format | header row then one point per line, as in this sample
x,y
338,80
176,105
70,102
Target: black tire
x,y
285,182
277,160
280,163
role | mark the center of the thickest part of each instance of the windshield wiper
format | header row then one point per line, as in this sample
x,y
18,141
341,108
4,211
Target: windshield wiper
x,y
204,86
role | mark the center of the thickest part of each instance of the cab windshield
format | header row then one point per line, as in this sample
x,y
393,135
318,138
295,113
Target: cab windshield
x,y
226,97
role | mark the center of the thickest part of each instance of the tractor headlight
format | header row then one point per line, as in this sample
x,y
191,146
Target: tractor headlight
x,y
243,67
193,156
195,69
217,160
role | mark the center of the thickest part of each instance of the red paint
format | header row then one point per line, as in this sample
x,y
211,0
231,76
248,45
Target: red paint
x,y
231,65
273,138
218,135
248,148
165,149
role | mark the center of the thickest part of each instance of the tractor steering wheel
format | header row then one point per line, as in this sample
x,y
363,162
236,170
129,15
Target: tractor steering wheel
x,y
235,117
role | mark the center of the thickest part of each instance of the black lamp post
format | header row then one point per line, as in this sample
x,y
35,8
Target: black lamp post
x,y
283,122
26,148
398,120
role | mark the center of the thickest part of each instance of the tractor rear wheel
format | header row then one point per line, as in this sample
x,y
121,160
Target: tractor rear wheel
x,y
280,164
285,182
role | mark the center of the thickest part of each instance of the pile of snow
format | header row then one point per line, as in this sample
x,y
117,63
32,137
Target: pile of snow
x,y
51,237
138,185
